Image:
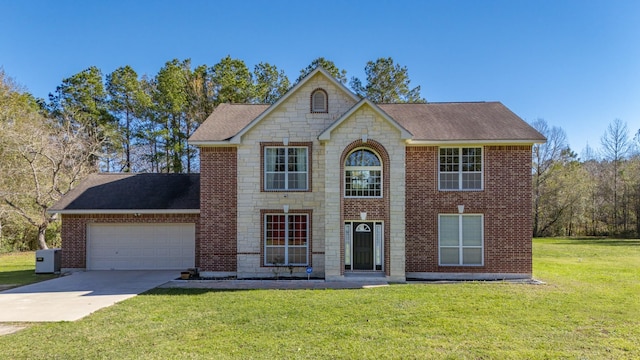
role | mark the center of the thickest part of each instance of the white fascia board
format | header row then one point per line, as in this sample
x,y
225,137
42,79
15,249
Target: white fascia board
x,y
473,142
236,139
204,143
404,133
145,211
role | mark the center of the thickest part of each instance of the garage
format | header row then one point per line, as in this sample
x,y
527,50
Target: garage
x,y
157,246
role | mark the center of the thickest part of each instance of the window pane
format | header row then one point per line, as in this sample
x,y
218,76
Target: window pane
x,y
449,235
270,159
472,181
275,255
297,255
362,158
275,230
449,256
297,230
275,181
298,181
472,231
471,159
297,159
449,160
472,256
449,181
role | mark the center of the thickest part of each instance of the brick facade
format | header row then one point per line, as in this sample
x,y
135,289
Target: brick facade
x,y
505,203
74,230
216,247
233,199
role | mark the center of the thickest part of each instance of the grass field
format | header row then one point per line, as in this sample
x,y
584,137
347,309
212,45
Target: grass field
x,y
19,269
588,309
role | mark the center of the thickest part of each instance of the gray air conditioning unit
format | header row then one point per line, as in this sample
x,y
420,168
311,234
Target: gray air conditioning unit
x,y
48,261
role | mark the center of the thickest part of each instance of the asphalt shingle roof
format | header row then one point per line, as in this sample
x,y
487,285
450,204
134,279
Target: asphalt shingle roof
x,y
480,121
118,191
226,121
483,121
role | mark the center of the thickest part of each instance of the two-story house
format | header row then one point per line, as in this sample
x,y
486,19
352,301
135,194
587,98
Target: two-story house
x,y
325,181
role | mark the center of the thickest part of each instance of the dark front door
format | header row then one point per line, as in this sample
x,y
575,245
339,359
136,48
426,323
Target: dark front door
x,y
363,246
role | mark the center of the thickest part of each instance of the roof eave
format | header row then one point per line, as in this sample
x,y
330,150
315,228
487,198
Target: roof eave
x,y
478,142
123,212
210,143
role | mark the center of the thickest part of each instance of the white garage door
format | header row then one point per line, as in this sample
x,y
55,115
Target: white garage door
x,y
140,246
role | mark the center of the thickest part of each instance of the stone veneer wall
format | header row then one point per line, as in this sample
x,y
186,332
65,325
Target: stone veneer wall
x,y
216,247
376,208
381,135
74,231
293,120
505,203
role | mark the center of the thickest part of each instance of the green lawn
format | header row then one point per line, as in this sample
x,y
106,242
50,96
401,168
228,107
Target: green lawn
x,y
19,269
589,309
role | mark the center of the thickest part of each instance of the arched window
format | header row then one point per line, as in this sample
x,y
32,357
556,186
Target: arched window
x,y
362,174
319,101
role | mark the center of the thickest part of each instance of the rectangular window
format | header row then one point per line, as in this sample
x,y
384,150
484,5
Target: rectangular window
x,y
286,239
286,168
461,239
460,168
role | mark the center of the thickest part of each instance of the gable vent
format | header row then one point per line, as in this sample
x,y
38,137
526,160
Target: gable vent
x,y
319,103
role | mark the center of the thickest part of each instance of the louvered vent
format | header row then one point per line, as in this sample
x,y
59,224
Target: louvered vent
x,y
319,101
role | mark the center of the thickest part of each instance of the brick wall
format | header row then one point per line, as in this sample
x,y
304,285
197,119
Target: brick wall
x,y
216,247
74,231
505,203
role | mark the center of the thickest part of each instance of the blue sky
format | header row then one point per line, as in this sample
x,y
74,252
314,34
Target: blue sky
x,y
575,64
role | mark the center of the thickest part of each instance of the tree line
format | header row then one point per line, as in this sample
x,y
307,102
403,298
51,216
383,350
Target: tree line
x,y
127,122
595,194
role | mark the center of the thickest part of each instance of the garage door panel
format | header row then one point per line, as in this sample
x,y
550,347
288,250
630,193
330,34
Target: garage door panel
x,y
140,246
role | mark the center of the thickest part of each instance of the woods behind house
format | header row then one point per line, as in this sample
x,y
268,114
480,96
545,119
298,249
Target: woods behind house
x,y
127,122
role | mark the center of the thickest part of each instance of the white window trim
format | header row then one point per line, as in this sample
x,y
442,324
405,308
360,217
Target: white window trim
x,y
286,246
286,172
363,168
460,172
460,246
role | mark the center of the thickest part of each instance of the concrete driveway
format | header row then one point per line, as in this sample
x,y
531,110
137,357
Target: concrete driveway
x,y
75,296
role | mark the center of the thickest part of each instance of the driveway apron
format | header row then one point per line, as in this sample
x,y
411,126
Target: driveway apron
x,y
73,297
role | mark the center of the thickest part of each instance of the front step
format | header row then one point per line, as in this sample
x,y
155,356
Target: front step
x,y
366,276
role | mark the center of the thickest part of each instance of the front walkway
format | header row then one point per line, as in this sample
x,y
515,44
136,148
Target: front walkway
x,y
272,284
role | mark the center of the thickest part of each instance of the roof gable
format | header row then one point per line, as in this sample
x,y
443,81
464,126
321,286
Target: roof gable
x,y
318,71
326,135
229,122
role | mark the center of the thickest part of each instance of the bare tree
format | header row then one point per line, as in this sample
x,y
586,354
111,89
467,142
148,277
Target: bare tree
x,y
616,146
545,156
42,158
